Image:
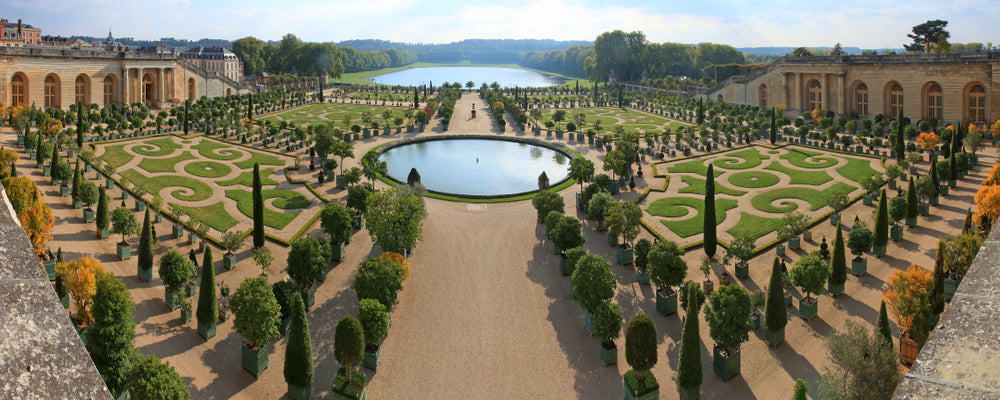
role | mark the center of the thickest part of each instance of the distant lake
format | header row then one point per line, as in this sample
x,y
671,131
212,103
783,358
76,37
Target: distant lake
x,y
506,77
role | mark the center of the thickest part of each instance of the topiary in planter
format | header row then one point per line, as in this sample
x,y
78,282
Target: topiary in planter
x,y
838,265
728,317
175,270
208,311
566,233
375,321
666,270
607,328
111,338
298,369
256,317
809,273
710,225
307,262
599,205
547,201
348,345
337,222
689,373
881,234
775,310
593,281
640,352
380,280
572,257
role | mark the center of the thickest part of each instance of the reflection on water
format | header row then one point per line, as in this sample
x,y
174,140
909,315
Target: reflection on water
x,y
506,77
476,166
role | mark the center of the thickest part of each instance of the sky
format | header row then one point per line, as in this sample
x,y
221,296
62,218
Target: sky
x,y
870,24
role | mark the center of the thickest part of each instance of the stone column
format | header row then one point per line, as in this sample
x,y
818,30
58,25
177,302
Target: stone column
x,y
841,93
798,92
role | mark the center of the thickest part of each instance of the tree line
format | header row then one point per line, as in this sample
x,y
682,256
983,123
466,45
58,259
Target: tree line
x,y
292,55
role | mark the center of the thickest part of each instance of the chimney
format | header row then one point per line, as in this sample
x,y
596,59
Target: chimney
x,y
3,25
19,27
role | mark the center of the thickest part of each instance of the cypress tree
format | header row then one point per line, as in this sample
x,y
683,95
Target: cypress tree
x,y
102,210
38,147
146,244
882,326
55,159
937,299
111,339
898,143
250,107
208,312
258,209
775,313
59,256
881,222
911,200
956,140
689,374
701,113
838,266
711,243
934,178
774,127
77,180
79,125
298,354
953,165
187,116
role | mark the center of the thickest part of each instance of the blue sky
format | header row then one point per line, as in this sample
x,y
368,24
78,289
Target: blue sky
x,y
867,24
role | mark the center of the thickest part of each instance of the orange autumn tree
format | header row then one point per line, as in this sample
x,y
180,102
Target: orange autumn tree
x,y
80,279
928,140
909,293
398,259
38,221
22,192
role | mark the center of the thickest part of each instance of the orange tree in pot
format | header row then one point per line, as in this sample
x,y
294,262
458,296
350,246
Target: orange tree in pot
x,y
666,270
908,299
809,274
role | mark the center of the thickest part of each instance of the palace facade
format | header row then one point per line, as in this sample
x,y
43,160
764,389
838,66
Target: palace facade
x,y
950,87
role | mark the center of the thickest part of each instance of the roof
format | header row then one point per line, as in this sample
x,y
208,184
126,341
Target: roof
x,y
214,52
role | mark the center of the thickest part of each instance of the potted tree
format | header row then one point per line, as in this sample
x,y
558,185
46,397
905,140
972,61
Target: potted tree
x,y
256,318
262,257
379,279
566,234
593,284
572,256
337,222
793,224
689,373
881,233
144,268
728,316
175,271
208,312
357,200
775,311
838,265
550,222
88,194
186,309
307,262
375,321
102,218
809,274
927,193
582,170
298,369
623,220
870,184
284,292
859,241
547,201
641,356
909,302
641,249
348,348
598,208
232,241
123,220
666,270
742,248
757,300
607,328
897,211
178,213
837,200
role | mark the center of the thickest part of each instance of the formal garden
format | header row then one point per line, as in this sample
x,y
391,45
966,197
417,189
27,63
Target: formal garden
x,y
344,116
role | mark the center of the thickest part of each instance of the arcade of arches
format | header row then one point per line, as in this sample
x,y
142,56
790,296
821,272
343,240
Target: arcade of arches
x,y
153,87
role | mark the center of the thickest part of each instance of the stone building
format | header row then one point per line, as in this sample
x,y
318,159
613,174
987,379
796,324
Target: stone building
x,y
53,77
216,59
950,87
18,35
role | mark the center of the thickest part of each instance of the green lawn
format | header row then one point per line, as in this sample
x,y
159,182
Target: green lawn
x,y
674,207
246,178
208,169
215,215
155,165
207,148
155,184
856,169
335,112
800,158
696,166
116,155
274,219
743,159
800,177
609,117
815,198
157,147
755,225
697,186
746,179
262,159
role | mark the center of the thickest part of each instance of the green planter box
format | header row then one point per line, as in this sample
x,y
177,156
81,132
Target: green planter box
x,y
284,324
140,205
689,393
609,356
943,190
755,320
103,233
339,251
65,301
774,338
341,182
950,286
255,362
892,184
625,254
50,268
588,320
77,204
866,199
878,250
192,238
359,221
933,200
794,242
780,249
788,299
64,191
124,252
32,155
835,289
725,367
173,299
742,270
859,266
47,171
612,241
912,221
206,331
642,276
109,183
896,233
951,182
299,392
144,274
178,231
652,393
922,209
229,260
808,310
372,358
666,305
309,296
82,332
834,219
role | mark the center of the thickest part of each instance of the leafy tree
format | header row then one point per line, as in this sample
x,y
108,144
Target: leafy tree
x,y
666,267
566,233
357,198
379,279
741,247
911,200
593,281
77,181
307,260
124,222
175,270
640,345
547,201
80,278
146,244
838,266
336,221
298,353
572,256
582,170
102,210
208,311
374,319
256,312
928,35
599,206
810,273
624,220
258,208
395,219
689,374
859,240
37,221
800,391
728,316
343,150
775,311
152,379
863,367
608,323
908,295
348,343
897,209
111,339
641,251
881,222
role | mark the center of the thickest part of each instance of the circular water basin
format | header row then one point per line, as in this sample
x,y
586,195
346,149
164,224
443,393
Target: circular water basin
x,y
477,166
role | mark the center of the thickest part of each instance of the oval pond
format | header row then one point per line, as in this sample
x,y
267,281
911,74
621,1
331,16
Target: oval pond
x,y
506,77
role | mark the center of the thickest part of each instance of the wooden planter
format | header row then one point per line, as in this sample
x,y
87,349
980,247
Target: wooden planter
x,y
642,276
625,254
229,260
649,393
774,338
794,242
908,349
835,289
299,392
742,270
896,233
206,331
726,366
173,299
666,304
372,358
254,362
124,251
609,353
859,266
950,286
807,311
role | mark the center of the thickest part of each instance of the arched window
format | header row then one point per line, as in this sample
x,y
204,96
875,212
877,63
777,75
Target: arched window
x,y
82,91
191,88
895,100
763,95
933,102
109,90
51,92
977,104
18,86
861,99
815,95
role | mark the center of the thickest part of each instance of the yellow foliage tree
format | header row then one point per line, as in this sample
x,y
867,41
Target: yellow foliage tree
x,y
987,203
993,177
80,278
398,259
53,127
995,129
22,192
37,221
908,294
928,140
817,114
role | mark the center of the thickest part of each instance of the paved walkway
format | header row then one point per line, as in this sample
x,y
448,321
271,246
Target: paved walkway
x,y
485,313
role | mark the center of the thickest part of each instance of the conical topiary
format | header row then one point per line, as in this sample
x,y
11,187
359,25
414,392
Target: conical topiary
x,y
640,345
298,354
838,266
689,374
208,311
881,222
911,200
146,244
711,243
882,326
775,312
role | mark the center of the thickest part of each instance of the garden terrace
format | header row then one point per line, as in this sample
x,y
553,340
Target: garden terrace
x,y
609,117
335,113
